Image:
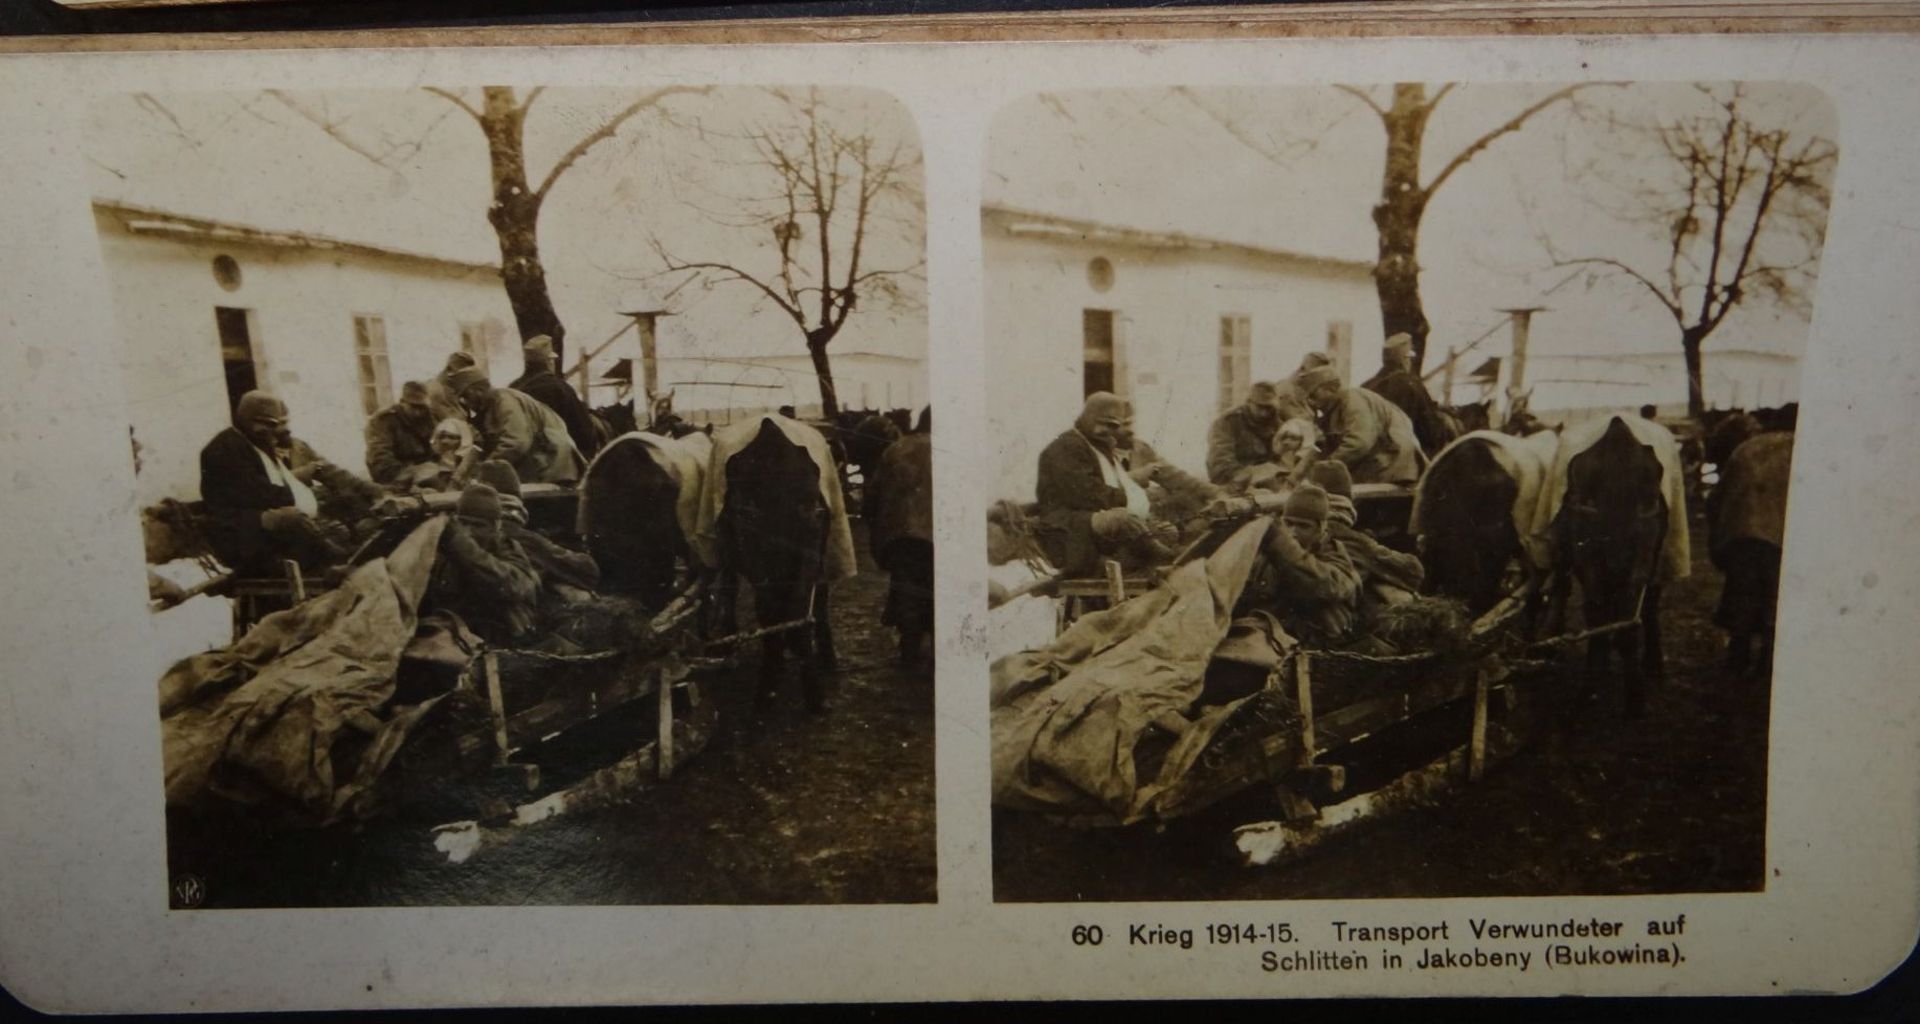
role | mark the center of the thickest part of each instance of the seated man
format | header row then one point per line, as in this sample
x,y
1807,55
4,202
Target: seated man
x,y
1387,577
483,576
1312,585
1367,432
259,511
400,439
519,430
1089,507
565,573
1240,443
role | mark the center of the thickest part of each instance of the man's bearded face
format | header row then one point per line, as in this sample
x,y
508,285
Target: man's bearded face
x,y
1264,410
1107,432
266,430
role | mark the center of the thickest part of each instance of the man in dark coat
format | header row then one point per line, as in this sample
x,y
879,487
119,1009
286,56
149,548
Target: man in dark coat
x,y
1089,507
400,439
1397,383
542,382
259,510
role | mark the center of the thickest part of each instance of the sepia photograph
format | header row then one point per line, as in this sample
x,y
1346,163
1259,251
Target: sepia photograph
x,y
1392,484
535,486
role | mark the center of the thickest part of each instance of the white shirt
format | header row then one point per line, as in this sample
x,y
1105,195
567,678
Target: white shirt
x,y
1114,475
277,472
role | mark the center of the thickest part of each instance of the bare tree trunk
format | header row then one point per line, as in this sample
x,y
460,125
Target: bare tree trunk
x,y
1690,340
1397,216
515,216
823,372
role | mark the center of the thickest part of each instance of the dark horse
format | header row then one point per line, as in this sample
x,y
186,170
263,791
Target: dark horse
x,y
773,530
1467,533
627,517
1609,536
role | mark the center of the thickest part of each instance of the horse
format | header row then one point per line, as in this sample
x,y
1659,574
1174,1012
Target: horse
x,y
776,527
899,515
1619,529
1747,520
629,516
1473,513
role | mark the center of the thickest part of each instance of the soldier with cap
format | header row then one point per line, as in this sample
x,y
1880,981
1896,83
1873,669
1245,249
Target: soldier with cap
x,y
1367,432
1387,577
1311,585
483,576
542,382
518,429
440,396
1397,383
1240,444
1090,507
400,440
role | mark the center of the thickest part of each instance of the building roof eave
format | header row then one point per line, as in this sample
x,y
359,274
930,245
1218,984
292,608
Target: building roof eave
x,y
1018,223
156,223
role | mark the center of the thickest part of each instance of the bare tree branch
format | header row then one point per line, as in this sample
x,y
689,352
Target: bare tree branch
x,y
1512,124
607,130
455,99
1670,305
1364,97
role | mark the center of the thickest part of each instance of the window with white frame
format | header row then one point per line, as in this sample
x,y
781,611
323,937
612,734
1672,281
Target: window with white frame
x,y
370,350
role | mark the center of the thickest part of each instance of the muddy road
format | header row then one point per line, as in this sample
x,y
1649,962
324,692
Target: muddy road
x,y
1593,804
780,808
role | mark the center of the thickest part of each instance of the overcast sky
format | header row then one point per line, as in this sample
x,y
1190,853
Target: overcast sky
x,y
408,169
1166,159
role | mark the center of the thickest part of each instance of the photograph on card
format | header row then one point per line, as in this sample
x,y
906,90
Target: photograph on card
x,y
1391,484
536,490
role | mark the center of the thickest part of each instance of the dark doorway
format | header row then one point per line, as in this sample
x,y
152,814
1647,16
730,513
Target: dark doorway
x,y
1096,331
236,351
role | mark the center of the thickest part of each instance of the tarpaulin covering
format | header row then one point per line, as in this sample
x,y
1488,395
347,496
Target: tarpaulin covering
x,y
258,721
735,438
1676,558
684,459
1530,462
1067,744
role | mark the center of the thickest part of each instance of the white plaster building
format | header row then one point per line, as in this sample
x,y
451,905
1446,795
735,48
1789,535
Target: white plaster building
x,y
208,309
1181,325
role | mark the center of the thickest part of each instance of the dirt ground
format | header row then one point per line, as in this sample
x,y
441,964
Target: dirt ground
x,y
1593,804
780,808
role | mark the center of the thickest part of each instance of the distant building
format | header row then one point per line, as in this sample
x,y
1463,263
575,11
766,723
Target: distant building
x,y
210,309
1569,388
1181,325
716,390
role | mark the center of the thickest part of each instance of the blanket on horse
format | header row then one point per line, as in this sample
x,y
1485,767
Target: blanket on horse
x,y
1676,555
728,442
684,459
1529,460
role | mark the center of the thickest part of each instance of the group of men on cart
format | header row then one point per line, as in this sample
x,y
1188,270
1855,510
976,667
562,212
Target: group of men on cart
x,y
269,498
1296,447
